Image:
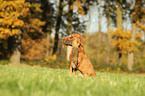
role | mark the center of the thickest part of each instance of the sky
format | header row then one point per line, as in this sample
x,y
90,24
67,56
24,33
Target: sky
x,y
93,22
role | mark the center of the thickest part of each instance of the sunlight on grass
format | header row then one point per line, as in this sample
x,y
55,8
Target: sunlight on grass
x,y
29,81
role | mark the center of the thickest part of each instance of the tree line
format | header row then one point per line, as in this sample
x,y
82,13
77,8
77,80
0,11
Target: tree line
x,y
26,27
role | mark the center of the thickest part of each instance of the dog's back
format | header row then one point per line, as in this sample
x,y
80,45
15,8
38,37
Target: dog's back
x,y
84,64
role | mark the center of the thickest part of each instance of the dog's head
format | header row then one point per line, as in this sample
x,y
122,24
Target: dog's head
x,y
74,39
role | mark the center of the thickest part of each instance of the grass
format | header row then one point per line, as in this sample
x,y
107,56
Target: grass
x,y
31,81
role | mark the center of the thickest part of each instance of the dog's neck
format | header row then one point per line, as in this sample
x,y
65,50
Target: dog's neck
x,y
74,57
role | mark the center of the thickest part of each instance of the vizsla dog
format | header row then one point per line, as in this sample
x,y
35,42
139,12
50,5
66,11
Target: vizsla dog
x,y
78,58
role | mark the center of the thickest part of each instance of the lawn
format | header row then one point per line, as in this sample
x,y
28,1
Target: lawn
x,y
32,81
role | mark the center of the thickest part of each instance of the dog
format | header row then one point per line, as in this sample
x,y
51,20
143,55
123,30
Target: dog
x,y
78,58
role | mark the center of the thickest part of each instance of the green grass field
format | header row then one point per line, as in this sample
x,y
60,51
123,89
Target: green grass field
x,y
30,81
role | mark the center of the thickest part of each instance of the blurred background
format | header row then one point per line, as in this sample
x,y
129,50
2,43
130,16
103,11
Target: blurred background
x,y
113,32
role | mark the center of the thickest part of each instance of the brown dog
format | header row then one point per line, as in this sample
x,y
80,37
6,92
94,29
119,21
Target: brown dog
x,y
78,58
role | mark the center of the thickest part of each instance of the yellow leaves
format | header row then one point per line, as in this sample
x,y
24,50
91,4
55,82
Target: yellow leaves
x,y
36,7
133,13
139,35
111,31
1,14
78,5
122,33
35,22
84,1
13,15
6,32
109,69
35,25
18,23
141,26
51,58
15,31
122,40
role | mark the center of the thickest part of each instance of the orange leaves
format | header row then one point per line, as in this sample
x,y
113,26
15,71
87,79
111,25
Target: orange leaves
x,y
78,6
35,22
122,40
18,23
141,26
133,13
15,15
10,21
32,21
32,49
139,35
15,31
122,33
6,32
53,57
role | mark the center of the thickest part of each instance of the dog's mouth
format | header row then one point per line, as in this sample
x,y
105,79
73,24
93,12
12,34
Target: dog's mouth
x,y
67,41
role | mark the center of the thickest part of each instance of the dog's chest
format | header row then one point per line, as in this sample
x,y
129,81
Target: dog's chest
x,y
74,54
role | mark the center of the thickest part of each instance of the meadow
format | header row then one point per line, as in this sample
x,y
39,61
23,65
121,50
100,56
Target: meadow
x,y
33,81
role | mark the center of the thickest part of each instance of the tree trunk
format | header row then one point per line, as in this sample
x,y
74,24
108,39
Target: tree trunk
x,y
58,22
144,46
14,46
47,16
69,27
99,37
119,15
131,54
108,42
48,53
70,19
119,23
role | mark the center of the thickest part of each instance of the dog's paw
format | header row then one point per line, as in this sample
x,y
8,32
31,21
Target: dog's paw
x,y
80,75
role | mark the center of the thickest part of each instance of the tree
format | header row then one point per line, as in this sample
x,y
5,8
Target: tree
x,y
58,23
123,7
137,15
16,18
116,16
11,24
48,17
71,20
131,54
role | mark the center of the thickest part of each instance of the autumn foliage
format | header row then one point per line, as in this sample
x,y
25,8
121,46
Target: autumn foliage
x,y
16,15
11,14
122,40
23,18
32,48
78,5
26,27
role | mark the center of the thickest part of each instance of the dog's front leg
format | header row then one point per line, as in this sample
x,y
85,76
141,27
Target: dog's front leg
x,y
70,70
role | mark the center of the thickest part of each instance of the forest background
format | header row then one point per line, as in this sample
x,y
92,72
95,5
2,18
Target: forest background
x,y
31,32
